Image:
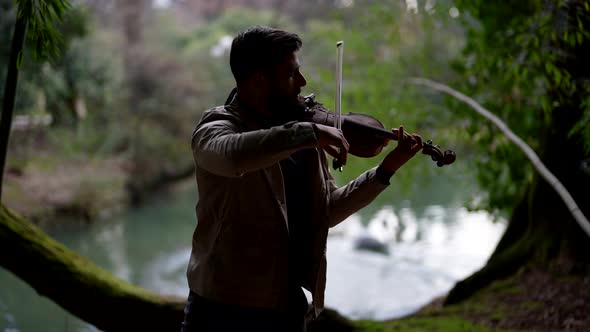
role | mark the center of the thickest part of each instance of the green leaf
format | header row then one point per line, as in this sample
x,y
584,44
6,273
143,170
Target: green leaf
x,y
582,125
19,59
557,75
43,16
545,104
549,67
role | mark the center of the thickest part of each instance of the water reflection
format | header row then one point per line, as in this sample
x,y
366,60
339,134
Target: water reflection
x,y
427,255
112,240
166,274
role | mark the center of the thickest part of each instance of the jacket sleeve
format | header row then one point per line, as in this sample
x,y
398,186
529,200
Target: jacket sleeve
x,y
221,149
352,197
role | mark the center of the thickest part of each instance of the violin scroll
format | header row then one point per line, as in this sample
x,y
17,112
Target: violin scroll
x,y
436,154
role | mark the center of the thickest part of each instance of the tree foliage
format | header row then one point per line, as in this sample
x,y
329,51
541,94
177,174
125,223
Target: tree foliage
x,y
518,63
53,77
39,17
42,16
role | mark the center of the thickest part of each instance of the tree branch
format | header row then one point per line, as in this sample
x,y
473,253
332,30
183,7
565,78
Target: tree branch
x,y
16,50
528,151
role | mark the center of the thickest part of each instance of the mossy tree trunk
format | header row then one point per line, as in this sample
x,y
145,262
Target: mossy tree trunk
x,y
541,230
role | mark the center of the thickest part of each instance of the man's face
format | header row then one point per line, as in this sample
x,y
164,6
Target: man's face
x,y
285,83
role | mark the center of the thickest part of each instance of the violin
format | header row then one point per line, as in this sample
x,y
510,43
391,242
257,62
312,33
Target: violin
x,y
366,135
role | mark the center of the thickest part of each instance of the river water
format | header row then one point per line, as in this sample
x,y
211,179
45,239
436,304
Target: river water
x,y
422,247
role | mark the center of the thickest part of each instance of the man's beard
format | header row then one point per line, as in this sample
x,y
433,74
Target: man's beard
x,y
285,109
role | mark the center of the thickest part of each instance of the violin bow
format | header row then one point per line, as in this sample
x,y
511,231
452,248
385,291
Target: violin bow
x,y
337,163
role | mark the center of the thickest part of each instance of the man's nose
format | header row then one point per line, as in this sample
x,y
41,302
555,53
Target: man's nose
x,y
302,80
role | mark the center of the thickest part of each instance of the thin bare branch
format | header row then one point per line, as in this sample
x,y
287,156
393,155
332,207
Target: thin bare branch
x,y
528,151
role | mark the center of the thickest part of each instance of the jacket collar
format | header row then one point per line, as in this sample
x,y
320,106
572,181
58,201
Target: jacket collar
x,y
249,118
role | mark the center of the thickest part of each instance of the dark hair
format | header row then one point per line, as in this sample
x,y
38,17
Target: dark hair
x,y
260,48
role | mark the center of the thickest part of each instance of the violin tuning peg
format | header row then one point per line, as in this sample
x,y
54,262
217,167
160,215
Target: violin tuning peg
x,y
449,157
309,99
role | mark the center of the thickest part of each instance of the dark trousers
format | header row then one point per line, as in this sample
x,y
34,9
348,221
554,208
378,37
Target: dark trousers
x,y
203,315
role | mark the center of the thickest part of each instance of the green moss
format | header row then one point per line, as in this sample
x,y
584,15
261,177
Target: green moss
x,y
424,324
504,287
470,315
480,312
532,306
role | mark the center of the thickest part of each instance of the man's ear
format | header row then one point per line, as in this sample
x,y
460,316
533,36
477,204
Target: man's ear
x,y
260,80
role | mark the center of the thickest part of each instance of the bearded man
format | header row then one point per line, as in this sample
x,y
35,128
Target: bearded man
x,y
266,195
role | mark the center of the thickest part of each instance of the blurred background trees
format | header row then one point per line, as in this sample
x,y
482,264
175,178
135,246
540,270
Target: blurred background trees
x,y
119,105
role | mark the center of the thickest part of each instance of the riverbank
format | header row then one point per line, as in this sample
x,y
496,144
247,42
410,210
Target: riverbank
x,y
80,190
533,300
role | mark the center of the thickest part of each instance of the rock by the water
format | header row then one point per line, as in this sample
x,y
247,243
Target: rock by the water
x,y
369,243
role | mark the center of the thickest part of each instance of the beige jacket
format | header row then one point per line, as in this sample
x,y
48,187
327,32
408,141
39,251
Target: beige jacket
x,y
239,249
